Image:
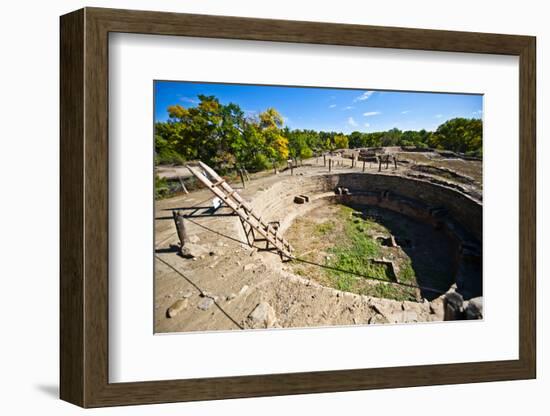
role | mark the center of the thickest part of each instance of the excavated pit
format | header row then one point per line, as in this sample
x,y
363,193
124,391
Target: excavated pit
x,y
414,232
427,227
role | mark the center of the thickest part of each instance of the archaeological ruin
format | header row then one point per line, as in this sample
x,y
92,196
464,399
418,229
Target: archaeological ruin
x,y
356,237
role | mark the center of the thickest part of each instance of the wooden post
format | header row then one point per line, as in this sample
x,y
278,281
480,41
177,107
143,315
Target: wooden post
x,y
387,161
183,185
180,227
325,160
379,163
353,160
329,165
241,174
395,162
246,174
363,165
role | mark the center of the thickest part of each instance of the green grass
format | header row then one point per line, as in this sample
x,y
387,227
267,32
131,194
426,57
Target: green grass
x,y
391,292
355,253
324,228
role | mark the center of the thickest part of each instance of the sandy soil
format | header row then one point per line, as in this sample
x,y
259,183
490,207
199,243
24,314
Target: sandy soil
x,y
229,285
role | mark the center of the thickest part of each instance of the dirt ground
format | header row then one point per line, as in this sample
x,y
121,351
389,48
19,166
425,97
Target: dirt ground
x,y
229,285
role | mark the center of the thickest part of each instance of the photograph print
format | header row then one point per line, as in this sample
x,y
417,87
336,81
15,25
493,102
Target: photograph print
x,y
302,207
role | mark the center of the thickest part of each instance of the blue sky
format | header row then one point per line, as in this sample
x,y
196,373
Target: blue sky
x,y
328,109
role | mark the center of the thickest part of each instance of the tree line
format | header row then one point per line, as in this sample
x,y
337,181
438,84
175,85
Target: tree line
x,y
225,137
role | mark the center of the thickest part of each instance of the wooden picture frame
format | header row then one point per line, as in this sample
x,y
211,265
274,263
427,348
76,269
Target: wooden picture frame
x,y
84,207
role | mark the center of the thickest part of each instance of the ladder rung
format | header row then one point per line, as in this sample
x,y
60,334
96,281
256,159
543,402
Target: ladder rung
x,y
215,184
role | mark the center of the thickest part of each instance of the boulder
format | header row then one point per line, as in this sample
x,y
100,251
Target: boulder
x,y
177,307
437,308
454,308
474,309
263,316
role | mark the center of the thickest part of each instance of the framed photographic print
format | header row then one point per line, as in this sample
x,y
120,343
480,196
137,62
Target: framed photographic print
x,y
256,207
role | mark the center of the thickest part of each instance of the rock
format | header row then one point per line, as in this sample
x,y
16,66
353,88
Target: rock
x,y
249,266
454,310
194,239
403,316
381,307
187,294
263,316
210,295
418,307
177,307
378,319
231,296
437,308
205,303
243,289
410,316
299,199
474,310
192,251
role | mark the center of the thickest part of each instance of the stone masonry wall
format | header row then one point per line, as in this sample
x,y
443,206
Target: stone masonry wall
x,y
461,208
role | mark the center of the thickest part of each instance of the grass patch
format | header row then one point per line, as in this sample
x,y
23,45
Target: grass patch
x,y
324,228
354,254
395,292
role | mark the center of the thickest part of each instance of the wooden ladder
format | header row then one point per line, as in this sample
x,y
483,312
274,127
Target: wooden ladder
x,y
252,223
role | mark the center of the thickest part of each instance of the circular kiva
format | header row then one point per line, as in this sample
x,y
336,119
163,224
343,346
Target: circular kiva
x,y
436,228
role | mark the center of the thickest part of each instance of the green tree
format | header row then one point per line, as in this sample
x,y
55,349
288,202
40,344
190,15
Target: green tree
x,y
341,141
461,135
356,139
391,137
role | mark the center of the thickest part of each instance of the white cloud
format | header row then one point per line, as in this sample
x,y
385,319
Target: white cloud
x,y
332,106
352,122
349,107
365,96
371,113
405,112
189,100
367,125
477,113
